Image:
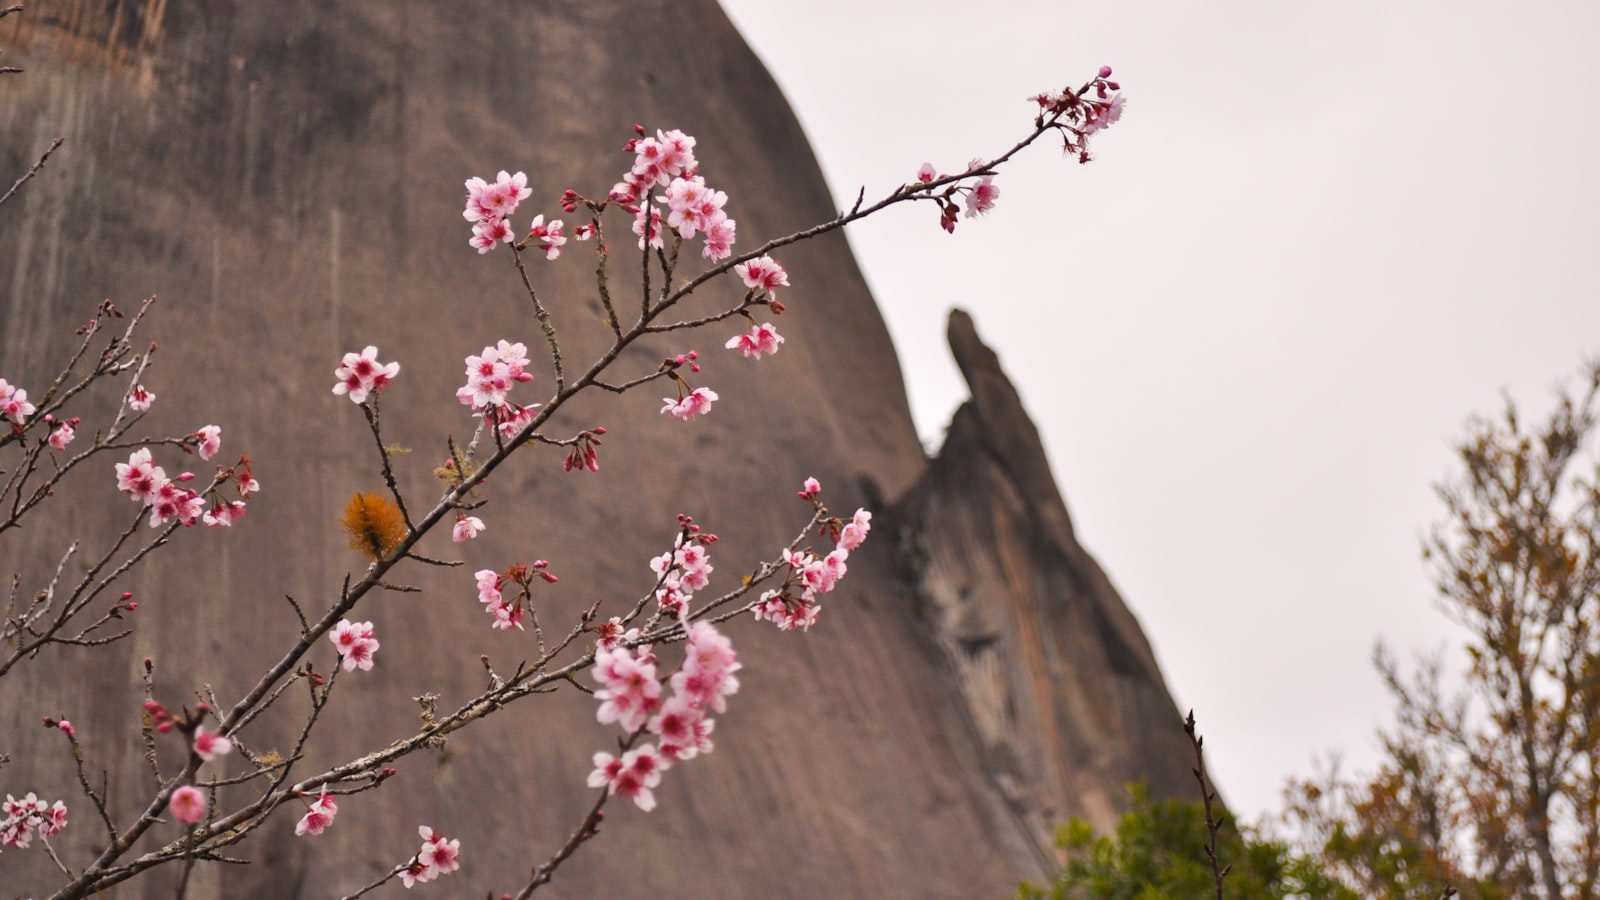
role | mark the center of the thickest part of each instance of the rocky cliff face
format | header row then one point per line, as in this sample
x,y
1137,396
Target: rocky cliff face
x,y
286,178
1062,688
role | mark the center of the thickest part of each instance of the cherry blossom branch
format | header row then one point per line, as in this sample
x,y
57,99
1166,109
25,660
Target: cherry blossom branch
x,y
542,676
83,778
110,362
385,879
51,851
88,589
601,279
544,317
901,194
36,166
233,827
370,410
588,828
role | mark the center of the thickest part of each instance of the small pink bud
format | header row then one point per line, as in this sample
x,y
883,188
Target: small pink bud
x,y
1105,71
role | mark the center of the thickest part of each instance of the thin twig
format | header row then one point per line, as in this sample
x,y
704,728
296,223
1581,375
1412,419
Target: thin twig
x,y
36,166
1207,794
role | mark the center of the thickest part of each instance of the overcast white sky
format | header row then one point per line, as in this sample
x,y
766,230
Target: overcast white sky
x,y
1323,235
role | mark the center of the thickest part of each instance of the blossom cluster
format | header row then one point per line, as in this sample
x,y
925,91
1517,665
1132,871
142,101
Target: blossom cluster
x,y
796,604
14,405
684,569
980,193
489,208
360,374
490,377
355,644
693,208
631,696
762,276
1084,116
21,819
166,498
508,615
63,432
689,405
438,856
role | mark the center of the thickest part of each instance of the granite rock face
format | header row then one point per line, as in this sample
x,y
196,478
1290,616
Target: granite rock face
x,y
1061,685
286,177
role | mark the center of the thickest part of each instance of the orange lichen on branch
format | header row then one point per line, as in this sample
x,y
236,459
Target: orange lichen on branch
x,y
373,523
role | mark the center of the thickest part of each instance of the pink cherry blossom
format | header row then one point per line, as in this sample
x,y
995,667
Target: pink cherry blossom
x,y
246,482
655,227
633,776
492,374
612,633
187,804
693,206
14,403
209,745
172,502
355,643
553,236
855,531
439,853
981,196
360,374
760,339
719,239
695,403
1106,114
763,273
486,235
707,675
223,515
926,172
659,159
62,436
490,202
466,528
19,819
139,399
788,613
684,729
319,815
210,441
506,615
811,488
140,478
629,691
677,152
54,821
